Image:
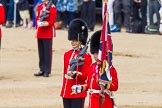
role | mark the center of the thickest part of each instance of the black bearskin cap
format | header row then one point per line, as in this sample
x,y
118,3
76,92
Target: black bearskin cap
x,y
95,42
78,29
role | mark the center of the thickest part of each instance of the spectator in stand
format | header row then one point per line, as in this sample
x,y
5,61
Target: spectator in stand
x,y
60,22
153,9
10,15
88,13
122,6
140,11
110,5
68,7
23,7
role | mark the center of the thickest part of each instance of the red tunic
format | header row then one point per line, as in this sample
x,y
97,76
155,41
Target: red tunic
x,y
2,17
94,98
46,32
80,79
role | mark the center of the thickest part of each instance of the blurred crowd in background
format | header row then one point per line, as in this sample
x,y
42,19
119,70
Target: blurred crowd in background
x,y
136,16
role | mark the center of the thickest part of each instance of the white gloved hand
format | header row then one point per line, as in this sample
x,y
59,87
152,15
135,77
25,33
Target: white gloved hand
x,y
76,89
40,24
104,83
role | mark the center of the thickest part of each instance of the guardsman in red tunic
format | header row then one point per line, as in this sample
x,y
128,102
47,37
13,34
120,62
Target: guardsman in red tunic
x,y
77,34
2,19
94,78
44,35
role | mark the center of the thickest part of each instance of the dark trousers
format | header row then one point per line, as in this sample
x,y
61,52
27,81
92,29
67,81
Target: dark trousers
x,y
153,9
10,13
61,17
122,7
34,14
73,102
69,17
136,15
88,14
45,55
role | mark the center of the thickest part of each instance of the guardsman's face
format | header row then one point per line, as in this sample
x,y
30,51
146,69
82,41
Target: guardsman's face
x,y
95,55
75,44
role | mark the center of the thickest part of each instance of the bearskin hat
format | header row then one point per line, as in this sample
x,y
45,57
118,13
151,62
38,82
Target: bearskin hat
x,y
95,42
78,31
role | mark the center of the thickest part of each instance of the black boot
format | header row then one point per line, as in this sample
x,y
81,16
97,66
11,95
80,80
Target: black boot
x,y
39,74
46,74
